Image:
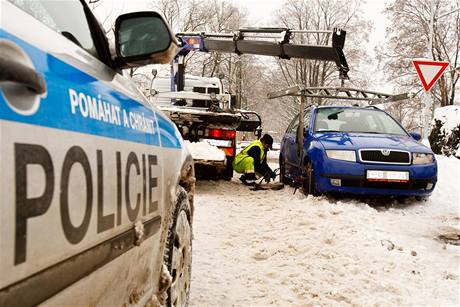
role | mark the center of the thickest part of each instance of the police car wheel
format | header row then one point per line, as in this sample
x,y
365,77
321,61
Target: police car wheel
x,y
178,253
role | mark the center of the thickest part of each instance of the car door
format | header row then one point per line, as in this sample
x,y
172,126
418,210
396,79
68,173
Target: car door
x,y
293,147
289,145
80,164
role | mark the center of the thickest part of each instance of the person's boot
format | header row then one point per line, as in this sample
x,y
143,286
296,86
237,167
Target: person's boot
x,y
248,179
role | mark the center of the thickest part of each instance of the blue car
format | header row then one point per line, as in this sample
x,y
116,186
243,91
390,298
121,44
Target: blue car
x,y
356,150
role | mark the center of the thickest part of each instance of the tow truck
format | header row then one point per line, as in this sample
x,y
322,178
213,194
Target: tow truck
x,y
202,114
212,119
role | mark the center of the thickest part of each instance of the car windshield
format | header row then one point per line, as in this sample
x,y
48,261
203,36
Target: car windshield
x,y
356,120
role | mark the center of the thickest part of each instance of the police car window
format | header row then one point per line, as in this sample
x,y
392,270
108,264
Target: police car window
x,y
55,15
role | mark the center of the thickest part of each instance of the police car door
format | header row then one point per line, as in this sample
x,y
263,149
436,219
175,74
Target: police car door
x,y
79,161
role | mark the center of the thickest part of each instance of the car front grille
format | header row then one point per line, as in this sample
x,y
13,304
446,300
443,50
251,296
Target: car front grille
x,y
385,156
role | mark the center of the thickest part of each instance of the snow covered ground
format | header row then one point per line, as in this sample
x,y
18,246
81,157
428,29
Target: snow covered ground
x,y
284,249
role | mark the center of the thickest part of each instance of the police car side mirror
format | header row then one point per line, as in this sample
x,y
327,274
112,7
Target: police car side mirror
x,y
143,38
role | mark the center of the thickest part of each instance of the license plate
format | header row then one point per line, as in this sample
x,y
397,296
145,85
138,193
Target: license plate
x,y
218,143
395,176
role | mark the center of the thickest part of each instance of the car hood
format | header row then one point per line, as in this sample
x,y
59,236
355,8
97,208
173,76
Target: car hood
x,y
355,141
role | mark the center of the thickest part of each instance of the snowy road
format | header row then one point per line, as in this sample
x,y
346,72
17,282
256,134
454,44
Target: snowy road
x,y
275,248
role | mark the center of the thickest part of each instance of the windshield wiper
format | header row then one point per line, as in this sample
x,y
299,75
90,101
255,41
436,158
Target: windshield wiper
x,y
334,115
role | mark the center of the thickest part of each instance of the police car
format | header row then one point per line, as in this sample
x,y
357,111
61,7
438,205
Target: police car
x,y
97,185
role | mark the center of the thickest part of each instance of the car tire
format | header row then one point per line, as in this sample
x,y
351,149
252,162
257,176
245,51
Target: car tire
x,y
308,182
178,252
283,177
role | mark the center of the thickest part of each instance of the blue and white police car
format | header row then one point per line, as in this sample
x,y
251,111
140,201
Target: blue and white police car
x,y
97,185
358,151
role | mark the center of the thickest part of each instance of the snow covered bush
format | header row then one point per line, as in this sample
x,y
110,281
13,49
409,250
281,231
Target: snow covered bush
x,y
445,132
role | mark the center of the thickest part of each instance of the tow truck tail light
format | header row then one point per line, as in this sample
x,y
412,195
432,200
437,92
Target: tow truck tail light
x,y
220,134
229,151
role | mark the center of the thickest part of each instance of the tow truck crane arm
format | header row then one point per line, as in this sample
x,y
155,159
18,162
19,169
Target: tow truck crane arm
x,y
276,42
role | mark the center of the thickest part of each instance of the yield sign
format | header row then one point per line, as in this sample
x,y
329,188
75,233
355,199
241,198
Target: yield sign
x,y
429,71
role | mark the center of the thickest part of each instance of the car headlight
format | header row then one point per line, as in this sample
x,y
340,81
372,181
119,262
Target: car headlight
x,y
422,158
346,155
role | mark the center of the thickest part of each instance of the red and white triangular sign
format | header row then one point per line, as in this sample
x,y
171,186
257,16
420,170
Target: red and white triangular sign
x,y
429,71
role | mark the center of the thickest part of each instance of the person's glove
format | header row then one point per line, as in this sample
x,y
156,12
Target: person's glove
x,y
268,176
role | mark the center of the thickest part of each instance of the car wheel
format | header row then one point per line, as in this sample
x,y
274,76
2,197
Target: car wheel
x,y
283,177
308,182
178,252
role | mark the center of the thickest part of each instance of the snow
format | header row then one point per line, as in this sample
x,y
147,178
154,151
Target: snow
x,y
449,116
205,151
284,249
273,155
450,119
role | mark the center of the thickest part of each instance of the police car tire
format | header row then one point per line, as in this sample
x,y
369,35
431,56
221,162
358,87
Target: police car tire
x,y
309,184
178,251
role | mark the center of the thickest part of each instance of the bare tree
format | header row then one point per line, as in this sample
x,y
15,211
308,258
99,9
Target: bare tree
x,y
318,15
210,16
408,37
222,17
321,15
184,15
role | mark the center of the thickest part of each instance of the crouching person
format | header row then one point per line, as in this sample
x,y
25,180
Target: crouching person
x,y
253,160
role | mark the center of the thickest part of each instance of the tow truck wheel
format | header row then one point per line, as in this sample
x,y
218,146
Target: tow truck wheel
x,y
308,183
227,174
178,253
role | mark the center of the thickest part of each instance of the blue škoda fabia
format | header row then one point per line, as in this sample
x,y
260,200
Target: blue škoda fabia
x,y
358,151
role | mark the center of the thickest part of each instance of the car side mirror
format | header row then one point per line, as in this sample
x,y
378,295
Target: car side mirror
x,y
416,136
143,38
